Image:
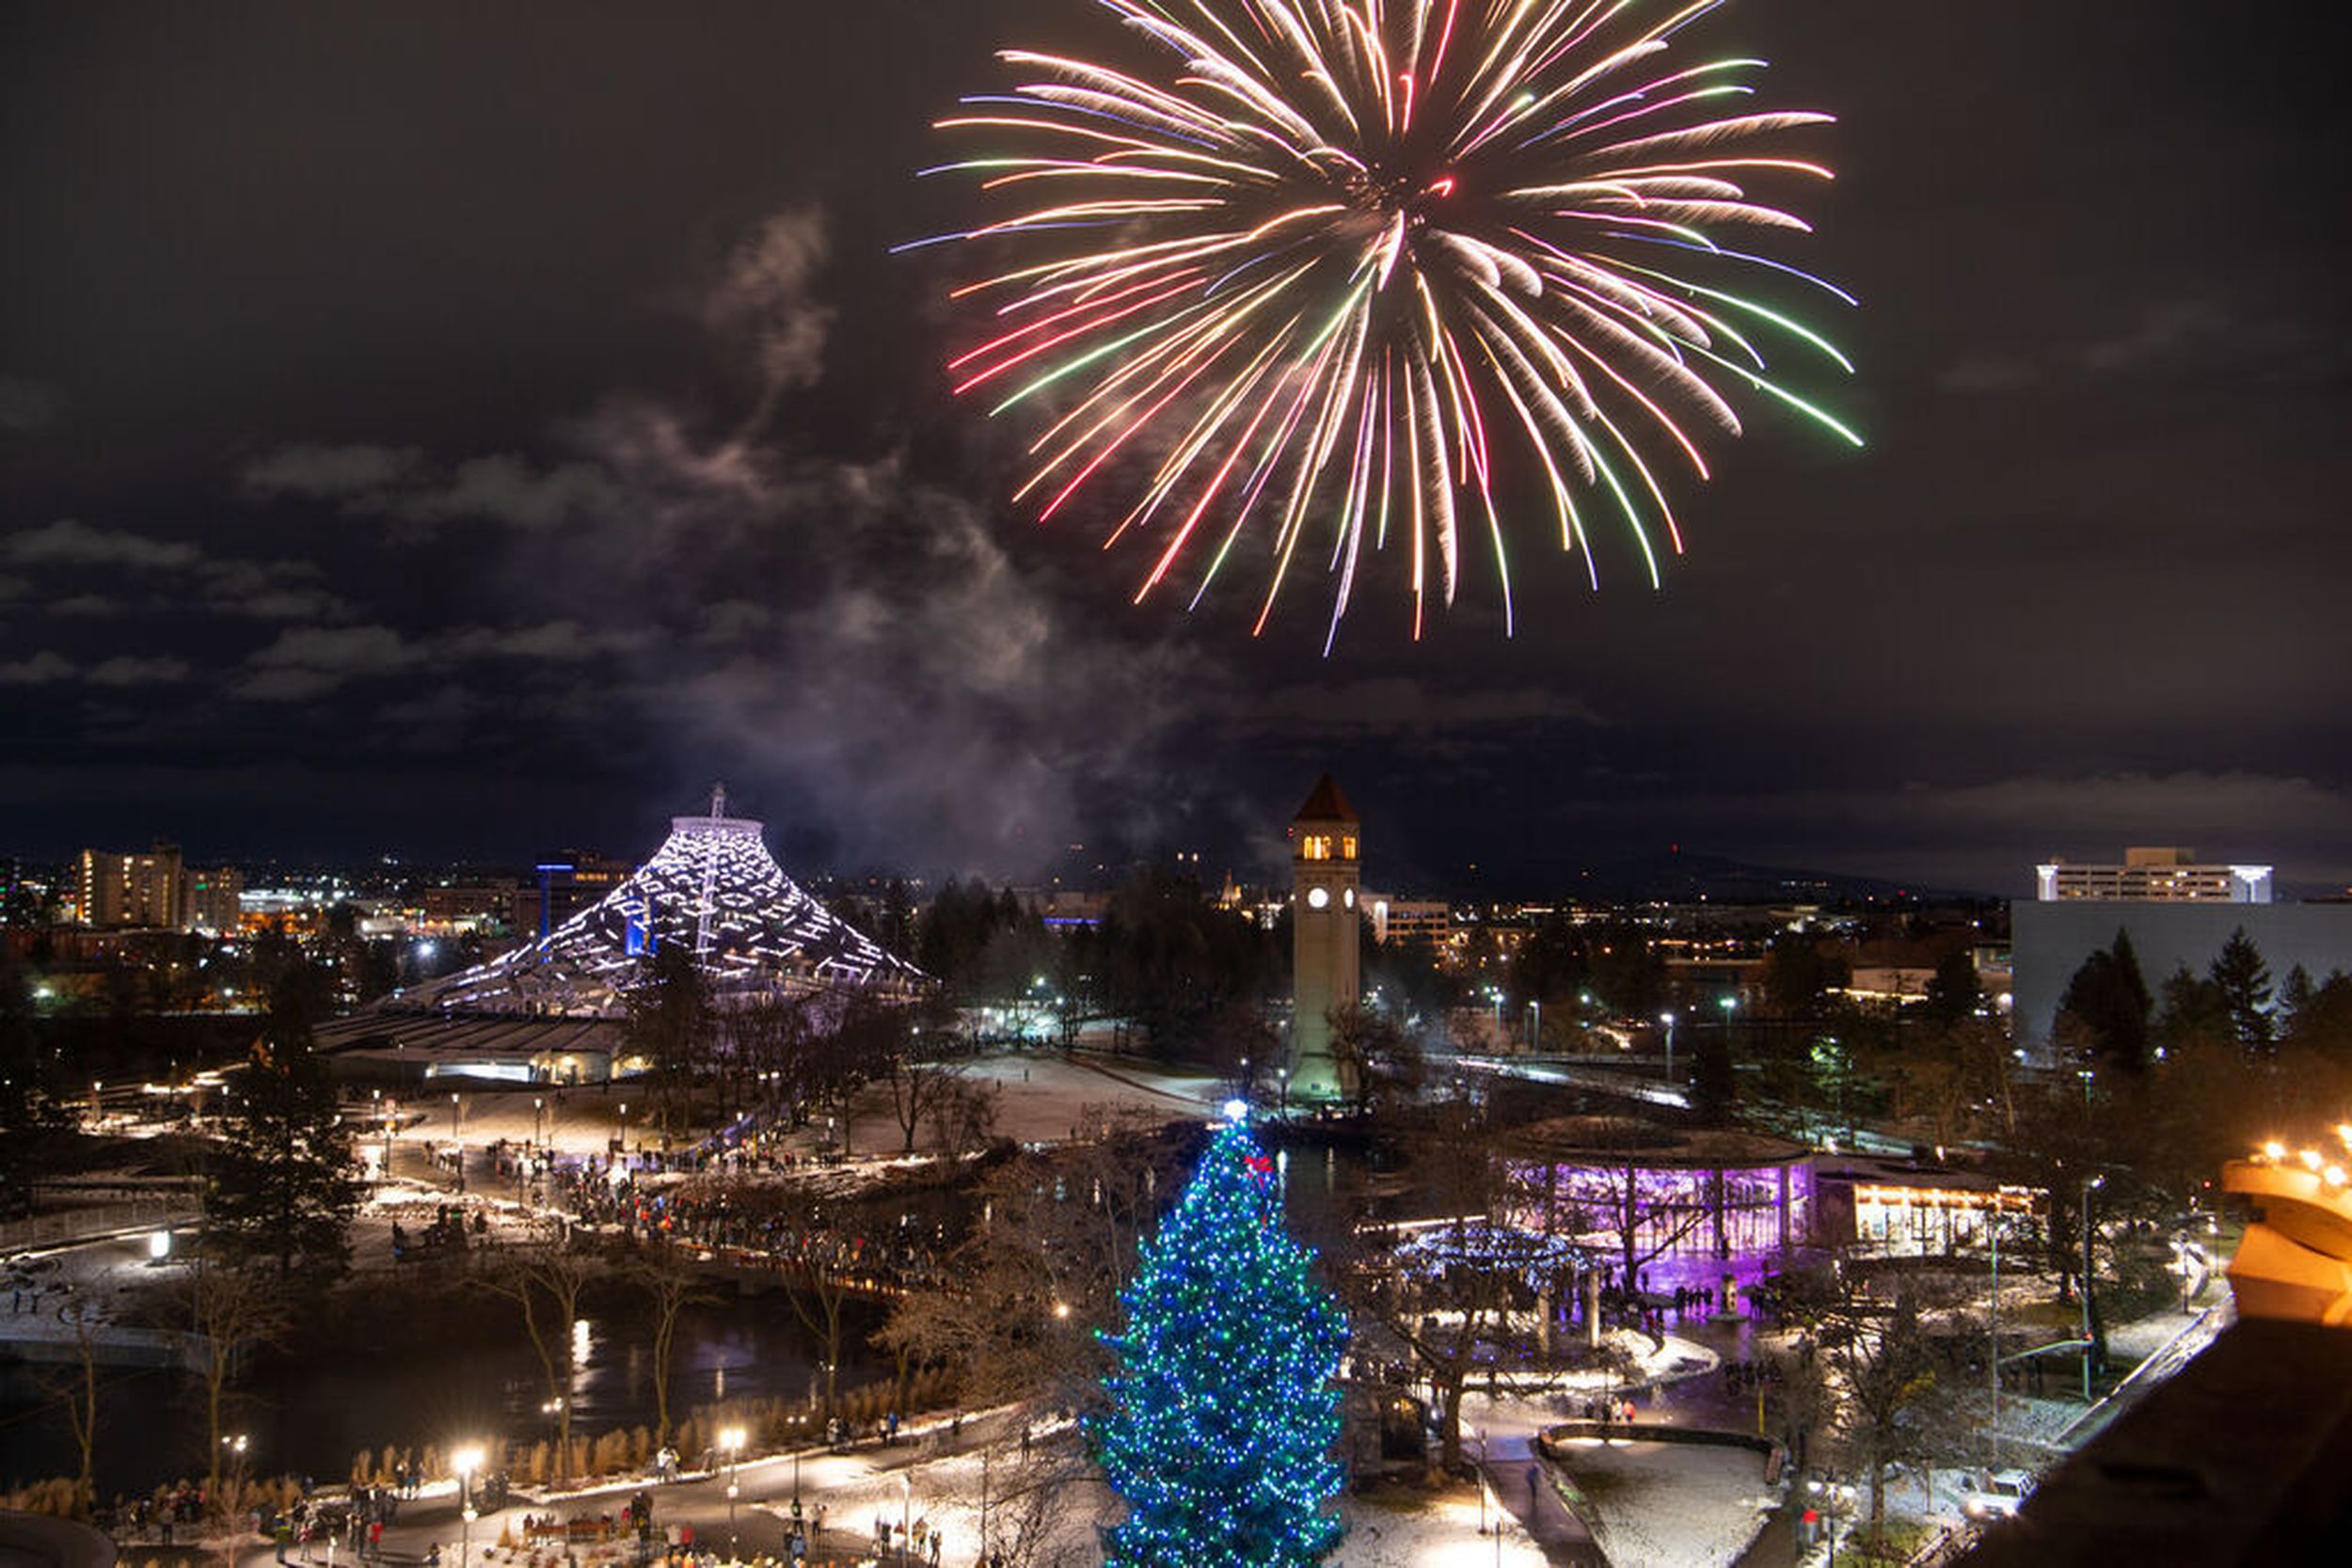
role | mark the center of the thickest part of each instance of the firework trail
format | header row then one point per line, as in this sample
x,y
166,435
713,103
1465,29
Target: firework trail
x,y
1336,270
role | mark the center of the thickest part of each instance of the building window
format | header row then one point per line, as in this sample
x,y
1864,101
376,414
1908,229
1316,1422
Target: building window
x,y
1347,848
1316,847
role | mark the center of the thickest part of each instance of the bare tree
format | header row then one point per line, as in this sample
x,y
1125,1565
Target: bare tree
x,y
768,1040
1378,1060
544,1280
1882,1371
228,1313
671,1287
1438,1306
1040,1274
79,1392
816,1263
669,1024
1640,1214
963,1118
1025,1487
918,1089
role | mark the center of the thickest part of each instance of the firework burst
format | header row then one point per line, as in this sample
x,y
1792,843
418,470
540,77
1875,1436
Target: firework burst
x,y
1333,272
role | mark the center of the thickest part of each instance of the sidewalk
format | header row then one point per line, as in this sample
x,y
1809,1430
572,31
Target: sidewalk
x,y
1521,1484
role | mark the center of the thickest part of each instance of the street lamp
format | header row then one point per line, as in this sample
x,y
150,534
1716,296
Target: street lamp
x,y
1668,1019
466,1460
538,1120
1482,1481
731,1444
2090,1184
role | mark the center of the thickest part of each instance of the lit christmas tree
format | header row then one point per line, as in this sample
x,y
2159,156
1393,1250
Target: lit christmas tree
x,y
1224,1409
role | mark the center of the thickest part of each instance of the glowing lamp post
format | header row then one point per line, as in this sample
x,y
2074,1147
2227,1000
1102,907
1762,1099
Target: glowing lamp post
x,y
466,1460
2090,1184
731,1444
1668,1019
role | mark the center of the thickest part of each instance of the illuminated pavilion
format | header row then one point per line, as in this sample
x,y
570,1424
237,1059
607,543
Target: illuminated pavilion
x,y
555,1010
1705,1204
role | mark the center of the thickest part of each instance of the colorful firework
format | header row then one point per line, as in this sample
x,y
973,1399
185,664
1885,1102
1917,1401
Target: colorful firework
x,y
1347,269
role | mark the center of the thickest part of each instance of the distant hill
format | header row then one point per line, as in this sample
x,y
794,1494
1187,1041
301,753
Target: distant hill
x,y
1686,879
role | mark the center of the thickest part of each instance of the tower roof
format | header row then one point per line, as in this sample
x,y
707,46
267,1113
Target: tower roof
x,y
1327,804
711,887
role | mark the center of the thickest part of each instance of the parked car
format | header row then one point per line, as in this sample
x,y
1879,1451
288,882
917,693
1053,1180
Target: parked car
x,y
1995,1495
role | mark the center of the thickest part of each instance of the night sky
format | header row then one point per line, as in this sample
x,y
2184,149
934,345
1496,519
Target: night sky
x,y
468,431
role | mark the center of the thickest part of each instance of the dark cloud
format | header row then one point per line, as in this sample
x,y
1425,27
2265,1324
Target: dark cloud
x,y
1408,705
27,404
399,484
309,469
71,543
145,575
123,670
2197,336
41,669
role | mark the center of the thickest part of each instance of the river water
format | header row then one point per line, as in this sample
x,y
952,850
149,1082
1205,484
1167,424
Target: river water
x,y
414,1378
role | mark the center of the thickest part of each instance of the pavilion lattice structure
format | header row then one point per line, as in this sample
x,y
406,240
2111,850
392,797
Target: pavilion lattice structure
x,y
557,1009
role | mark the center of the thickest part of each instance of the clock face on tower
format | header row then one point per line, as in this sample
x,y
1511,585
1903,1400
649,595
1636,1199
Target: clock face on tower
x,y
1318,898
1348,897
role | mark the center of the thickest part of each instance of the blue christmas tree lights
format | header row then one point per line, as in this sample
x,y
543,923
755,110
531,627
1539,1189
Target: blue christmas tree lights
x,y
1224,1408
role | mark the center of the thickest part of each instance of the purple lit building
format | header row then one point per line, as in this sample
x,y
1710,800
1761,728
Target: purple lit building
x,y
1670,1206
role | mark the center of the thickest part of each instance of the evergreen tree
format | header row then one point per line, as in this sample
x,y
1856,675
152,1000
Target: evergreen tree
x,y
1715,1086
34,1120
282,1187
2107,1001
1952,991
669,1026
2243,979
2191,1012
1223,1410
2295,995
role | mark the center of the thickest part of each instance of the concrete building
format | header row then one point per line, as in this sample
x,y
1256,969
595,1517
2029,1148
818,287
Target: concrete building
x,y
117,890
1327,966
564,888
1395,919
216,900
2166,874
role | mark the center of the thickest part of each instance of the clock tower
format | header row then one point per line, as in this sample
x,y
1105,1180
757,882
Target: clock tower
x,y
1325,874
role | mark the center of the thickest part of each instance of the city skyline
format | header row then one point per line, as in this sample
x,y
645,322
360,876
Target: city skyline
x,y
447,434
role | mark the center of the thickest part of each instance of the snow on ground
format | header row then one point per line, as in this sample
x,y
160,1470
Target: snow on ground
x,y
1441,1532
1043,1096
1670,1505
1399,1530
